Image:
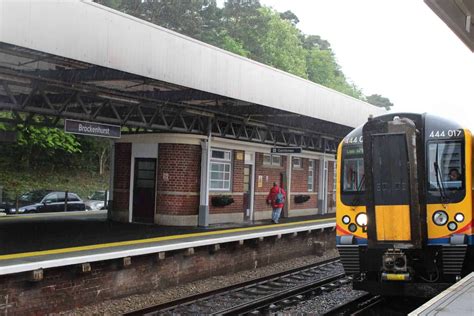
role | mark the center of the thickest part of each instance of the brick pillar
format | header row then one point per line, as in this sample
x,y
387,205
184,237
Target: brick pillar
x,y
121,189
178,183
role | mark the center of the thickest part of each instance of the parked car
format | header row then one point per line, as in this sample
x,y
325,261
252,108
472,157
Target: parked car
x,y
97,201
42,201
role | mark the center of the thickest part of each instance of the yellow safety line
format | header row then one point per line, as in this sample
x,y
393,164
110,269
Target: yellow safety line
x,y
148,240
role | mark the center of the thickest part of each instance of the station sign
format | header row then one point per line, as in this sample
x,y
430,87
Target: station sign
x,y
92,129
286,150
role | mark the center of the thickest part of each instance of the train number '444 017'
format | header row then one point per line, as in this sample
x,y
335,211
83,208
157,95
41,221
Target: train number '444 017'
x,y
446,133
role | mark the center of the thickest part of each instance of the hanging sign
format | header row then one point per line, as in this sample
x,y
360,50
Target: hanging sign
x,y
92,129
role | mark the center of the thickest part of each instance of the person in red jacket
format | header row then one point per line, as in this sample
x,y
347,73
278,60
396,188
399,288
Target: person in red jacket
x,y
276,198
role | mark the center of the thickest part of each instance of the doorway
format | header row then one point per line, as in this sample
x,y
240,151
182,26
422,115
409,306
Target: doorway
x,y
144,190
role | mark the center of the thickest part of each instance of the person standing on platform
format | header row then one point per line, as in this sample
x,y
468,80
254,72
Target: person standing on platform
x,y
276,198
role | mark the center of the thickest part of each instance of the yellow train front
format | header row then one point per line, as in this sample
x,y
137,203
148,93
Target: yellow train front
x,y
404,204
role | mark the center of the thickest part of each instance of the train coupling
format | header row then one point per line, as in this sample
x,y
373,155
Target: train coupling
x,y
394,266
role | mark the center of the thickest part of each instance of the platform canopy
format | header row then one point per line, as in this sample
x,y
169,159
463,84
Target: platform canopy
x,y
77,59
458,15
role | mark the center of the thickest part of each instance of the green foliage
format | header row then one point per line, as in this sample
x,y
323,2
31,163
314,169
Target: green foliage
x,y
49,139
15,182
380,101
280,44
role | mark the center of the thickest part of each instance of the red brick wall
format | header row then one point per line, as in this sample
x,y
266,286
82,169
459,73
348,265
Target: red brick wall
x,y
123,156
65,288
238,161
274,175
299,186
179,174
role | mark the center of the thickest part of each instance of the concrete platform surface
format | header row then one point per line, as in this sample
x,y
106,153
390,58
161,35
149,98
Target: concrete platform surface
x,y
58,240
456,300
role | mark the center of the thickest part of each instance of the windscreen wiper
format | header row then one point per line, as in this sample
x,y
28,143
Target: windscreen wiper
x,y
356,197
442,191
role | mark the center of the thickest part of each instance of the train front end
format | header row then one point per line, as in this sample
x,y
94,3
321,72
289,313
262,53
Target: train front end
x,y
404,204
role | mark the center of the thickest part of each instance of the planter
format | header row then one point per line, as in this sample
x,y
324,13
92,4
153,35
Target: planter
x,y
301,198
221,200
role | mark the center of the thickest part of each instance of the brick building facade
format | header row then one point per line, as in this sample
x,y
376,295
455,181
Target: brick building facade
x,y
238,171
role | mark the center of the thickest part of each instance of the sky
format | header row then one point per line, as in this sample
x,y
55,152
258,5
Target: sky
x,y
397,48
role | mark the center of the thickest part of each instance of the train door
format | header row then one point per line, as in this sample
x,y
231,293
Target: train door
x,y
391,183
144,190
392,166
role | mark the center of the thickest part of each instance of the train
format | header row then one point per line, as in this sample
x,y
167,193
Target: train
x,y
404,204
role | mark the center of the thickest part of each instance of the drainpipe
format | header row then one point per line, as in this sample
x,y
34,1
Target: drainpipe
x,y
203,217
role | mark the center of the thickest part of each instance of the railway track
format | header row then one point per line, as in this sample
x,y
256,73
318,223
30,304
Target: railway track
x,y
265,294
360,305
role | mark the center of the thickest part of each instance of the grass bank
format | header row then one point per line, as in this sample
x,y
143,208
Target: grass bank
x,y
16,182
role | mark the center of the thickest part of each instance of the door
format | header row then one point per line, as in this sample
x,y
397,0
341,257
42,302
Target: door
x,y
51,203
144,190
247,191
391,187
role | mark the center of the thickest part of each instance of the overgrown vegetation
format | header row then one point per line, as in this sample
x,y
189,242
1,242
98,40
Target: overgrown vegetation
x,y
48,158
15,182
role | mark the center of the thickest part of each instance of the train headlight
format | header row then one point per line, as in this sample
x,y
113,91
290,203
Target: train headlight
x,y
440,218
361,219
459,217
452,226
346,219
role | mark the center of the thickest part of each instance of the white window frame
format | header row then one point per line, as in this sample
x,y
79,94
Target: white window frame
x,y
311,175
226,161
296,159
272,162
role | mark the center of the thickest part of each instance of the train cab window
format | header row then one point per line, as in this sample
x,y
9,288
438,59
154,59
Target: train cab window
x,y
445,166
353,170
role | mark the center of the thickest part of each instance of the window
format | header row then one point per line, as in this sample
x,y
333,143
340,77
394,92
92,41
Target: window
x,y
311,176
445,166
51,198
296,162
271,160
220,170
71,197
353,170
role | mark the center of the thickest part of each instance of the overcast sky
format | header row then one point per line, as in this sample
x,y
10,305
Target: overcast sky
x,y
397,48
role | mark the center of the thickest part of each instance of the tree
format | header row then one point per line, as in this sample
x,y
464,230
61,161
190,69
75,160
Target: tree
x,y
44,144
380,101
315,41
322,68
290,16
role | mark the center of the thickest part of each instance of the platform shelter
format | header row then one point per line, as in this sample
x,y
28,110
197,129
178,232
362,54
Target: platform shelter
x,y
198,123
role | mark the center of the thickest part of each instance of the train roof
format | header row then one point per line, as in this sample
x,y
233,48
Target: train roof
x,y
430,123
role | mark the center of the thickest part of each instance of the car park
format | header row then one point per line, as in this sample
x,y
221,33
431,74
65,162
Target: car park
x,y
44,201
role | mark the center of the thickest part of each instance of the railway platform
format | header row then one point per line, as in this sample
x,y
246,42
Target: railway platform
x,y
31,243
456,300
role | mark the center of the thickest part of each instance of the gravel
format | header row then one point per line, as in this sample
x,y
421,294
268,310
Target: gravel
x,y
139,301
323,303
